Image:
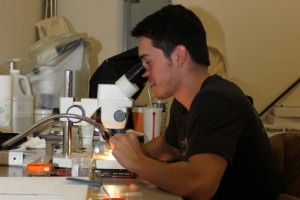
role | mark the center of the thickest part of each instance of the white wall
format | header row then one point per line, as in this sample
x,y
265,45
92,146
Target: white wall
x,y
17,27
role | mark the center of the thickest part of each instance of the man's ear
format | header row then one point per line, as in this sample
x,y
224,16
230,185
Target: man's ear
x,y
180,54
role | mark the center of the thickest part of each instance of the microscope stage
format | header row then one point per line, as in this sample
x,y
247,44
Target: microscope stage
x,y
108,164
112,168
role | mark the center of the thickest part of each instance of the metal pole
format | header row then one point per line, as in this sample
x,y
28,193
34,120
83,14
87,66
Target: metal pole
x,y
67,142
68,83
54,7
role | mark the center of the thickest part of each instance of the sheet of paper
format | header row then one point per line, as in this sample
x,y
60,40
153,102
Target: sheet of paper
x,y
46,188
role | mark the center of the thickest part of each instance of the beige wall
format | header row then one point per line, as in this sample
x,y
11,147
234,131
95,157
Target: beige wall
x,y
260,39
17,31
101,21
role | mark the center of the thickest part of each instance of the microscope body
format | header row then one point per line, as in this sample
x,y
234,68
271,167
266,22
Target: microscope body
x,y
113,100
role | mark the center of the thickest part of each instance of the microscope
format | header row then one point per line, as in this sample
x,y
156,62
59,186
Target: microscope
x,y
113,100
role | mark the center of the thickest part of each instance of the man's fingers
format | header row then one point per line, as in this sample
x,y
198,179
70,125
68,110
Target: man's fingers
x,y
112,146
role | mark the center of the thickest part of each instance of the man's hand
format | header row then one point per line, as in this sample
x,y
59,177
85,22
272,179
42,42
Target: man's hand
x,y
126,148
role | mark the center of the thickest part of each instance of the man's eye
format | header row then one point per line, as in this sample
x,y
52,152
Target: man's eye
x,y
146,64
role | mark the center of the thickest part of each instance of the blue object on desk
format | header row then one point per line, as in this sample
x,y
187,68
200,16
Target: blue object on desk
x,y
86,182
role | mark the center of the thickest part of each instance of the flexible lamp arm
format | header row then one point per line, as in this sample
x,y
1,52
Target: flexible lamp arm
x,y
98,127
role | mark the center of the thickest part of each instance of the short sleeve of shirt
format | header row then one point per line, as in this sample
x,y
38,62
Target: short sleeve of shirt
x,y
214,126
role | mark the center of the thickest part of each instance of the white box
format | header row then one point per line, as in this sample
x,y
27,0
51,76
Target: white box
x,y
286,111
283,120
11,158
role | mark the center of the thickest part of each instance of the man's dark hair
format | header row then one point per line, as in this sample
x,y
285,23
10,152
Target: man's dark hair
x,y
175,25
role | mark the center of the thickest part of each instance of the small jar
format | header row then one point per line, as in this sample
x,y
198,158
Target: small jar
x,y
41,113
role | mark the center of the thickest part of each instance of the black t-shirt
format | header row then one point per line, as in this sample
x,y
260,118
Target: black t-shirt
x,y
222,121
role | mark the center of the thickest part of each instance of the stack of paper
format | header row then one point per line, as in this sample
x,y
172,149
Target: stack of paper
x,y
46,188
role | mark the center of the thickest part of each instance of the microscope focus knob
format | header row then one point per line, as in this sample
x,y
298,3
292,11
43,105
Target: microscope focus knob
x,y
120,115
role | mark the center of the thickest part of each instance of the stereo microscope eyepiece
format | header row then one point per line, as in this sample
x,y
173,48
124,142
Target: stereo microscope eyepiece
x,y
135,73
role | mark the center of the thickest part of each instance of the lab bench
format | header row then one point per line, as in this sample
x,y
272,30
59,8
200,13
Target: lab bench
x,y
17,184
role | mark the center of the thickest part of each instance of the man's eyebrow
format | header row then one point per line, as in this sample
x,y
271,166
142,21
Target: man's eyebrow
x,y
142,56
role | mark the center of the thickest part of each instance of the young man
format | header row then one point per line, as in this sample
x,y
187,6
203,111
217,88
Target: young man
x,y
215,131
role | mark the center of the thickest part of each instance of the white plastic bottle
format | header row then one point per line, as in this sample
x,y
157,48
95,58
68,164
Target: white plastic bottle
x,y
5,103
22,101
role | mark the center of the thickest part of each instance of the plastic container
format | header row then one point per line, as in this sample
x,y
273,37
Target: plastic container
x,y
22,101
40,114
39,169
5,104
137,114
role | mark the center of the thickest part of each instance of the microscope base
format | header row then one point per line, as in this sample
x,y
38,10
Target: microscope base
x,y
108,164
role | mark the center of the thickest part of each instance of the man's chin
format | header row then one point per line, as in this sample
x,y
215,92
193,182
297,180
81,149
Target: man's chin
x,y
160,96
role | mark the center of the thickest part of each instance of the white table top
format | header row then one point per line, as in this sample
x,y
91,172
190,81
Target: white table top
x,y
56,188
